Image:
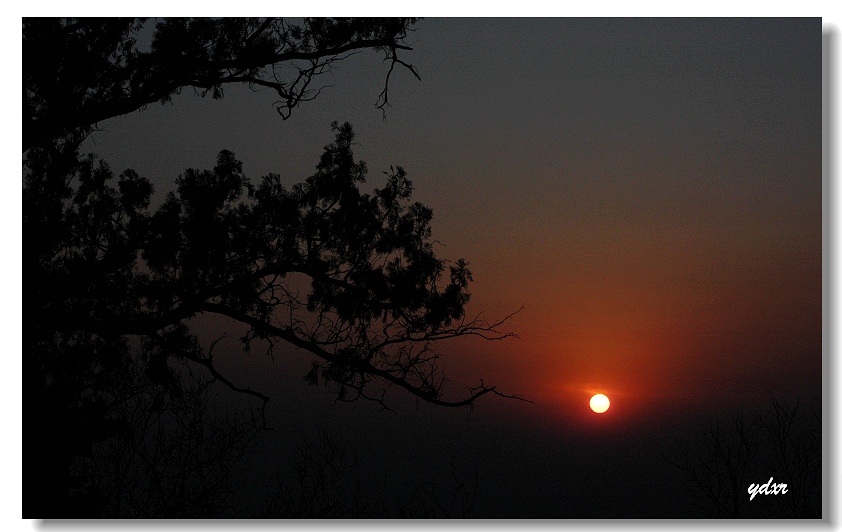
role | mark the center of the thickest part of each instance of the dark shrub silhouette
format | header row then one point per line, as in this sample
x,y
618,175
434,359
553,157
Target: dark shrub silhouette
x,y
724,460
321,485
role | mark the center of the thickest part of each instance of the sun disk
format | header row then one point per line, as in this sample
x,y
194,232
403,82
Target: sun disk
x,y
599,403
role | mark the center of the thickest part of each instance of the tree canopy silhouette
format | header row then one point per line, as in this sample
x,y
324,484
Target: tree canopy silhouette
x,y
348,276
78,72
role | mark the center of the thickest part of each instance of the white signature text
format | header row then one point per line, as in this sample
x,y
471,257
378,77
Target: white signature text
x,y
766,489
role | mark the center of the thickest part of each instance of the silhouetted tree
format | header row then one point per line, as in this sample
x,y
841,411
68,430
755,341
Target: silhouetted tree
x,y
348,276
717,466
793,437
783,442
180,455
319,487
78,72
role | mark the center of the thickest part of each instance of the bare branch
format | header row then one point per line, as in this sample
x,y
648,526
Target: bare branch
x,y
208,364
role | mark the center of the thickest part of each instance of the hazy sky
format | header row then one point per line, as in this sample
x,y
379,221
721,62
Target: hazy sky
x,y
649,191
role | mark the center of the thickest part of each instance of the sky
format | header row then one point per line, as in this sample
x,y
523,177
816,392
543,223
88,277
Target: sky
x,y
649,192
645,194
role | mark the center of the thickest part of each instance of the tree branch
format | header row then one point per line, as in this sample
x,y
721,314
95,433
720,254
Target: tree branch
x,y
362,366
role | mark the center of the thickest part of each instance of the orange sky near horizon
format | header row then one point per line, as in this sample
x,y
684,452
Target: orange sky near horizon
x,y
702,287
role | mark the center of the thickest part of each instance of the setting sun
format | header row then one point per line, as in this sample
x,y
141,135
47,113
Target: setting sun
x,y
599,403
